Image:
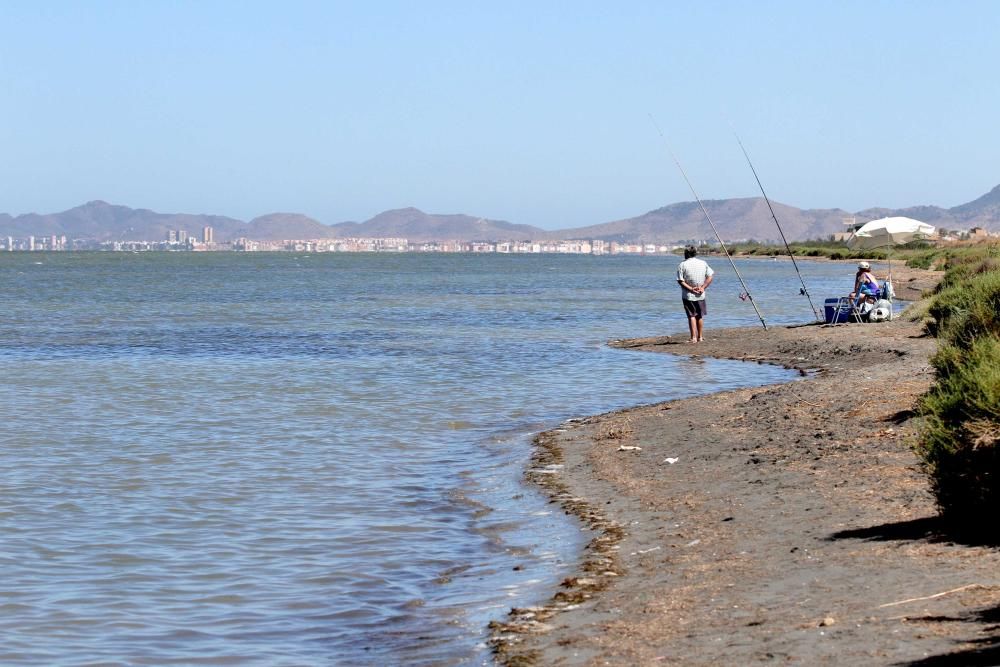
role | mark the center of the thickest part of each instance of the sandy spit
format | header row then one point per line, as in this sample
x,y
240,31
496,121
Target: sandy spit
x,y
788,524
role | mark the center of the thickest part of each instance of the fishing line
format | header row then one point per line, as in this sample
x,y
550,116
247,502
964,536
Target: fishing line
x,y
746,290
804,290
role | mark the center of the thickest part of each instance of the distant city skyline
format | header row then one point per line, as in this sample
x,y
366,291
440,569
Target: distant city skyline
x,y
738,219
531,113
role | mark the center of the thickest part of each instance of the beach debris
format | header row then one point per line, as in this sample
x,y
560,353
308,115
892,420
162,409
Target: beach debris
x,y
931,597
671,460
645,551
629,448
693,543
827,622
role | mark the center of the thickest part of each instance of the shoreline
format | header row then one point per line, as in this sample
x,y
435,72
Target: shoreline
x,y
785,523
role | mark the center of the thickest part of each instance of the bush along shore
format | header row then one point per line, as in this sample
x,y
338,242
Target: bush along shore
x,y
960,441
916,255
794,523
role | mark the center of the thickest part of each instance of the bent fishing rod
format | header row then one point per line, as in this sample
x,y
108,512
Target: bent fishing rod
x,y
804,290
746,290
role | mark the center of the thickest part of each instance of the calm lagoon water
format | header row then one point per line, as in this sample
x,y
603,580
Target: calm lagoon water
x,y
279,459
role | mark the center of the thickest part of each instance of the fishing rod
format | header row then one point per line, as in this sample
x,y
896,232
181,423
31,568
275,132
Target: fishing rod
x,y
804,290
746,290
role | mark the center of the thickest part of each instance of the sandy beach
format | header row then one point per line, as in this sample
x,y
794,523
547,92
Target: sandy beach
x,y
783,524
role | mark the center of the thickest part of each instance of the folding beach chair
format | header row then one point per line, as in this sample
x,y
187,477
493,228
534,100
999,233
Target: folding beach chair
x,y
846,309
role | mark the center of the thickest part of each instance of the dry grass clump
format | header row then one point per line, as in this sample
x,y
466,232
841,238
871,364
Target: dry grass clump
x,y
616,429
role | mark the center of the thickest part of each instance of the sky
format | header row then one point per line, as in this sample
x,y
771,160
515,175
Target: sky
x,y
541,113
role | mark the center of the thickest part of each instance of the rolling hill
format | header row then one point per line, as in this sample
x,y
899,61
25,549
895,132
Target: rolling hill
x,y
736,219
415,225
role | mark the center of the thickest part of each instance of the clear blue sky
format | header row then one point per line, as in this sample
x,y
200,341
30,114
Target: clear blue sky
x,y
532,112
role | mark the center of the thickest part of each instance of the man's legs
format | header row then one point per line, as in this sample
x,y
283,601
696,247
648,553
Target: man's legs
x,y
701,329
694,324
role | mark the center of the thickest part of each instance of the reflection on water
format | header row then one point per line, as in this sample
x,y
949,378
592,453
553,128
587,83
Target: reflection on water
x,y
697,372
270,459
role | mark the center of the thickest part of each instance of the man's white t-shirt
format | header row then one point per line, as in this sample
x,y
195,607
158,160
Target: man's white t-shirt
x,y
694,272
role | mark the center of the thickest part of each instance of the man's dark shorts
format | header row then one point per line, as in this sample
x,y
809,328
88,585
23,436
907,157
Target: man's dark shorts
x,y
696,309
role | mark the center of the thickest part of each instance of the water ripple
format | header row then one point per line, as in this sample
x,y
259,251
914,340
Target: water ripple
x,y
238,459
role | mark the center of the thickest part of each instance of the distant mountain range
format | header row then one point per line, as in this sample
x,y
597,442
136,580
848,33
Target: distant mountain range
x,y
746,218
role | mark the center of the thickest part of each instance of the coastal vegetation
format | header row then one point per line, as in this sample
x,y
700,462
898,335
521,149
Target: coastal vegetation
x,y
960,441
916,255
830,249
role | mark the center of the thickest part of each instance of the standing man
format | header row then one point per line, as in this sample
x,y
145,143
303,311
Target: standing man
x,y
694,276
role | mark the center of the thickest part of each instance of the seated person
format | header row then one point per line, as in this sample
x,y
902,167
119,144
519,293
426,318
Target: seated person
x,y
865,282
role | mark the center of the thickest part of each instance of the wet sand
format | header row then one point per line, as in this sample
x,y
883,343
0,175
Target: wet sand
x,y
786,524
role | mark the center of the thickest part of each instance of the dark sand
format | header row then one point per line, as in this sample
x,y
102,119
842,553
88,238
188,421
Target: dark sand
x,y
795,526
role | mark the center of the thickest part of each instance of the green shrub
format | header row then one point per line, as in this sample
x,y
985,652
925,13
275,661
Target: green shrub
x,y
960,443
961,268
960,440
923,260
967,308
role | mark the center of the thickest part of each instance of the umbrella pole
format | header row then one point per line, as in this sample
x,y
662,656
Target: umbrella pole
x,y
888,280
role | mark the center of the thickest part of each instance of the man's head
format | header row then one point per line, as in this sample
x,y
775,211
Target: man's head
x,y
690,251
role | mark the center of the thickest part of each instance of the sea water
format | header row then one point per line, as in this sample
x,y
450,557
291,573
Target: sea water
x,y
294,459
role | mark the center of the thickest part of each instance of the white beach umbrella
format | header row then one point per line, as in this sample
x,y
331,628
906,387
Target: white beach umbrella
x,y
887,232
